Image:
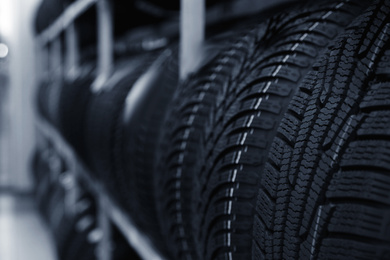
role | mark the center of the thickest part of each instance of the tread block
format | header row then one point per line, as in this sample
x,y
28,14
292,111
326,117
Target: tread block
x,y
340,248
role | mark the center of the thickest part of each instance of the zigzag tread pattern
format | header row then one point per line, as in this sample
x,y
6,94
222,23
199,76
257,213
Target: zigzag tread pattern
x,y
328,193
242,124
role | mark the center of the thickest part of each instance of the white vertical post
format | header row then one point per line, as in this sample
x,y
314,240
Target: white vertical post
x,y
56,58
105,43
192,31
72,52
104,247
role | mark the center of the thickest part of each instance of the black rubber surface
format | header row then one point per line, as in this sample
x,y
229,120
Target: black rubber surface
x,y
223,124
52,99
41,98
103,112
74,100
47,99
178,157
325,191
121,250
278,148
136,144
42,181
244,123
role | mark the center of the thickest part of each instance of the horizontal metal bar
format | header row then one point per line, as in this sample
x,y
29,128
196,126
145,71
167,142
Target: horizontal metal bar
x,y
141,243
64,20
104,249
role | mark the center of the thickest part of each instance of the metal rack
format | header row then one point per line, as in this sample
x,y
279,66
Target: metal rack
x,y
109,211
49,45
193,21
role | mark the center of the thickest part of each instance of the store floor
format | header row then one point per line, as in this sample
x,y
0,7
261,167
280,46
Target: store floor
x,y
23,234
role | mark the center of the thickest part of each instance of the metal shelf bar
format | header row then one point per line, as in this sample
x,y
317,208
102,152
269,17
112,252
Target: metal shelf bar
x,y
192,34
104,248
65,19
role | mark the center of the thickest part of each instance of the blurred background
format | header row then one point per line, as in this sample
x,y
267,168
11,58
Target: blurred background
x,y
22,233
18,74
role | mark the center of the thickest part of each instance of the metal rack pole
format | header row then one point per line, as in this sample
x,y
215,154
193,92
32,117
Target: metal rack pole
x,y
192,31
104,222
72,50
105,44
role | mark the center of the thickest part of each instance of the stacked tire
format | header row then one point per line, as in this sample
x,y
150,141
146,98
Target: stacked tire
x,y
75,97
277,149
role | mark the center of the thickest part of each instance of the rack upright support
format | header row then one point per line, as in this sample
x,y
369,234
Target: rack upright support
x,y
105,44
192,33
72,57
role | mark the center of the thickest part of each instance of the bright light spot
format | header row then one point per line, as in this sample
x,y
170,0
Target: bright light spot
x,y
3,50
7,18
